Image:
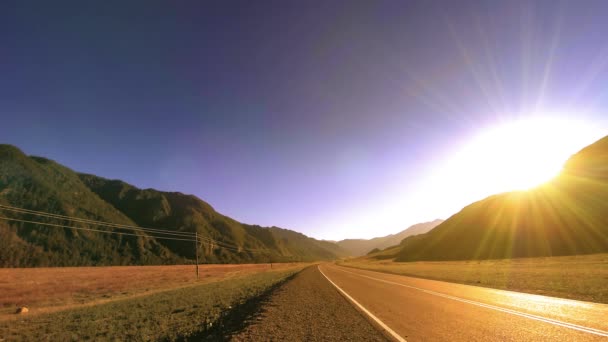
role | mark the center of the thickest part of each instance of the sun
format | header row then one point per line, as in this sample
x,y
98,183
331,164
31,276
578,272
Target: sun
x,y
520,154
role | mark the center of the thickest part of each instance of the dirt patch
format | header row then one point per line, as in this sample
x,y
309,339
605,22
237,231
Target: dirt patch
x,y
307,308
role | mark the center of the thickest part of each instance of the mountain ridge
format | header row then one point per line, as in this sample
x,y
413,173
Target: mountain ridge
x,y
40,184
565,216
360,247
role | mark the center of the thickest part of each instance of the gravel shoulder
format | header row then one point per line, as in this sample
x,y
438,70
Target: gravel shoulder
x,y
308,308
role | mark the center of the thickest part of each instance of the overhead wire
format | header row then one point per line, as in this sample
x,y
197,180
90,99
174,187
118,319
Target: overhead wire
x,y
228,246
101,223
91,229
192,236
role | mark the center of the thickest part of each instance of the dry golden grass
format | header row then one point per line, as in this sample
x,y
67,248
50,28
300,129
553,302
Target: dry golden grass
x,y
52,289
582,277
198,311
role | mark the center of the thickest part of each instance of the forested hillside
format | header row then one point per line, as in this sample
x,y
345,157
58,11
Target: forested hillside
x,y
39,184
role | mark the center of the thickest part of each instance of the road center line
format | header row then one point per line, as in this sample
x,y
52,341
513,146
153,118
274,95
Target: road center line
x,y
493,307
372,316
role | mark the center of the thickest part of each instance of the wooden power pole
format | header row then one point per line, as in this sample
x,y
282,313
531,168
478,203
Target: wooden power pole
x,y
196,251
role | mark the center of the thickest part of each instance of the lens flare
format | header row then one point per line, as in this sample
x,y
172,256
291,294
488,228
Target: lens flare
x,y
521,154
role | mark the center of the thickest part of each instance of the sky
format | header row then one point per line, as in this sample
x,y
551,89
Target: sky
x,y
338,119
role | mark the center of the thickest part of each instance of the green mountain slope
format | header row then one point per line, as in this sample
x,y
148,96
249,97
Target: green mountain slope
x,y
566,216
157,209
359,247
40,184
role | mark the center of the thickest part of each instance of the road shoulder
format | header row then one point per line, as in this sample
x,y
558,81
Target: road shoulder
x,y
308,308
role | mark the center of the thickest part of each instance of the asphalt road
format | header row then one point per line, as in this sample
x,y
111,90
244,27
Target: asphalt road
x,y
308,308
414,309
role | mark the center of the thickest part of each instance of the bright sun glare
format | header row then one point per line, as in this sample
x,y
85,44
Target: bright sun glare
x,y
522,154
515,155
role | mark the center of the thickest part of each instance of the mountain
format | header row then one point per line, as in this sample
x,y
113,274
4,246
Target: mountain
x,y
359,247
566,216
157,209
40,184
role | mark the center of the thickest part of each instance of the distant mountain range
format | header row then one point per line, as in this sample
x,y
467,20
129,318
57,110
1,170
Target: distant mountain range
x,y
41,184
566,216
359,247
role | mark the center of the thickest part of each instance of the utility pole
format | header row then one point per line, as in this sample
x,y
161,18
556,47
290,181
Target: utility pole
x,y
196,251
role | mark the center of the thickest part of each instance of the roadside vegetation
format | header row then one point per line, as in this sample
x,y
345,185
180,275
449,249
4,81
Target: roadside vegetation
x,y
44,290
169,315
580,277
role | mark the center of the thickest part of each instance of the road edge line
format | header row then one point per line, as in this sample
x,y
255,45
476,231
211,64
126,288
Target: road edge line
x,y
364,310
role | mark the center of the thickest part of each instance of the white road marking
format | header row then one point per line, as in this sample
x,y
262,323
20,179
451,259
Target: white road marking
x,y
371,315
493,307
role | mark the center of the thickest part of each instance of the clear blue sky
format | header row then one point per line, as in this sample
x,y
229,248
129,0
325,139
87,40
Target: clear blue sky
x,y
309,115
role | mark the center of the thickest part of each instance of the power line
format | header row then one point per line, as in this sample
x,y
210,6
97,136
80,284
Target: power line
x,y
228,246
233,248
145,232
101,223
109,232
192,236
90,229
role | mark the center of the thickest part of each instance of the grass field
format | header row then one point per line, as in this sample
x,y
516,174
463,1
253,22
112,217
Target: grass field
x,y
162,315
581,277
45,290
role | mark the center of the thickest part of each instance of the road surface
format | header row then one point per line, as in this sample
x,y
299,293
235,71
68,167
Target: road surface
x,y
308,308
414,309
